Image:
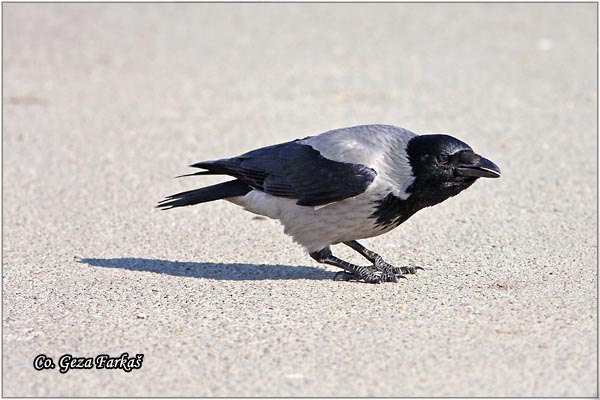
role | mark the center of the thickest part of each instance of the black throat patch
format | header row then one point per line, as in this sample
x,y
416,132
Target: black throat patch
x,y
392,211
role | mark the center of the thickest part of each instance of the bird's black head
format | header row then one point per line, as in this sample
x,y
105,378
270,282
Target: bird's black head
x,y
444,166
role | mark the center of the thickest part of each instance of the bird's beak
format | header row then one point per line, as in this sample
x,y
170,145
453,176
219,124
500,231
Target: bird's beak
x,y
484,168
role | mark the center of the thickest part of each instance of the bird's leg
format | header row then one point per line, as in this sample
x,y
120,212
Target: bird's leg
x,y
378,261
369,274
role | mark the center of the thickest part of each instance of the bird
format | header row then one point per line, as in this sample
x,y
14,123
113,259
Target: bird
x,y
342,186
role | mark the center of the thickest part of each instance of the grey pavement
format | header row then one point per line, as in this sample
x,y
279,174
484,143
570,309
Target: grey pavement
x,y
104,103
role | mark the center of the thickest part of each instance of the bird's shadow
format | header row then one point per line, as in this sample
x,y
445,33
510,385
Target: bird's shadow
x,y
207,270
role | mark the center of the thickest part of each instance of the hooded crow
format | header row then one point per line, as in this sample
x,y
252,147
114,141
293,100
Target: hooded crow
x,y
343,185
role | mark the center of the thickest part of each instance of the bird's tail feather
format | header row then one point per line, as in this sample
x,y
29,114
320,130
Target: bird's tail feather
x,y
210,193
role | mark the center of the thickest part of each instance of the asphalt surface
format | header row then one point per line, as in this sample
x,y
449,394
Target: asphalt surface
x,y
105,103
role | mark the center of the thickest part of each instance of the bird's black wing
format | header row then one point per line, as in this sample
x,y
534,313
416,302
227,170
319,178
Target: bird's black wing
x,y
295,170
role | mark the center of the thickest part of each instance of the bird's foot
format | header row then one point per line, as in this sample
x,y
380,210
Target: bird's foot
x,y
381,265
369,275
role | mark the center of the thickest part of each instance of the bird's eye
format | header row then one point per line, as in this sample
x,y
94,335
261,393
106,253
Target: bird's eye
x,y
443,158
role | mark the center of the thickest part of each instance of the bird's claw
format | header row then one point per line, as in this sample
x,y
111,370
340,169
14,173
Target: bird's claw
x,y
381,277
344,276
382,265
409,269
